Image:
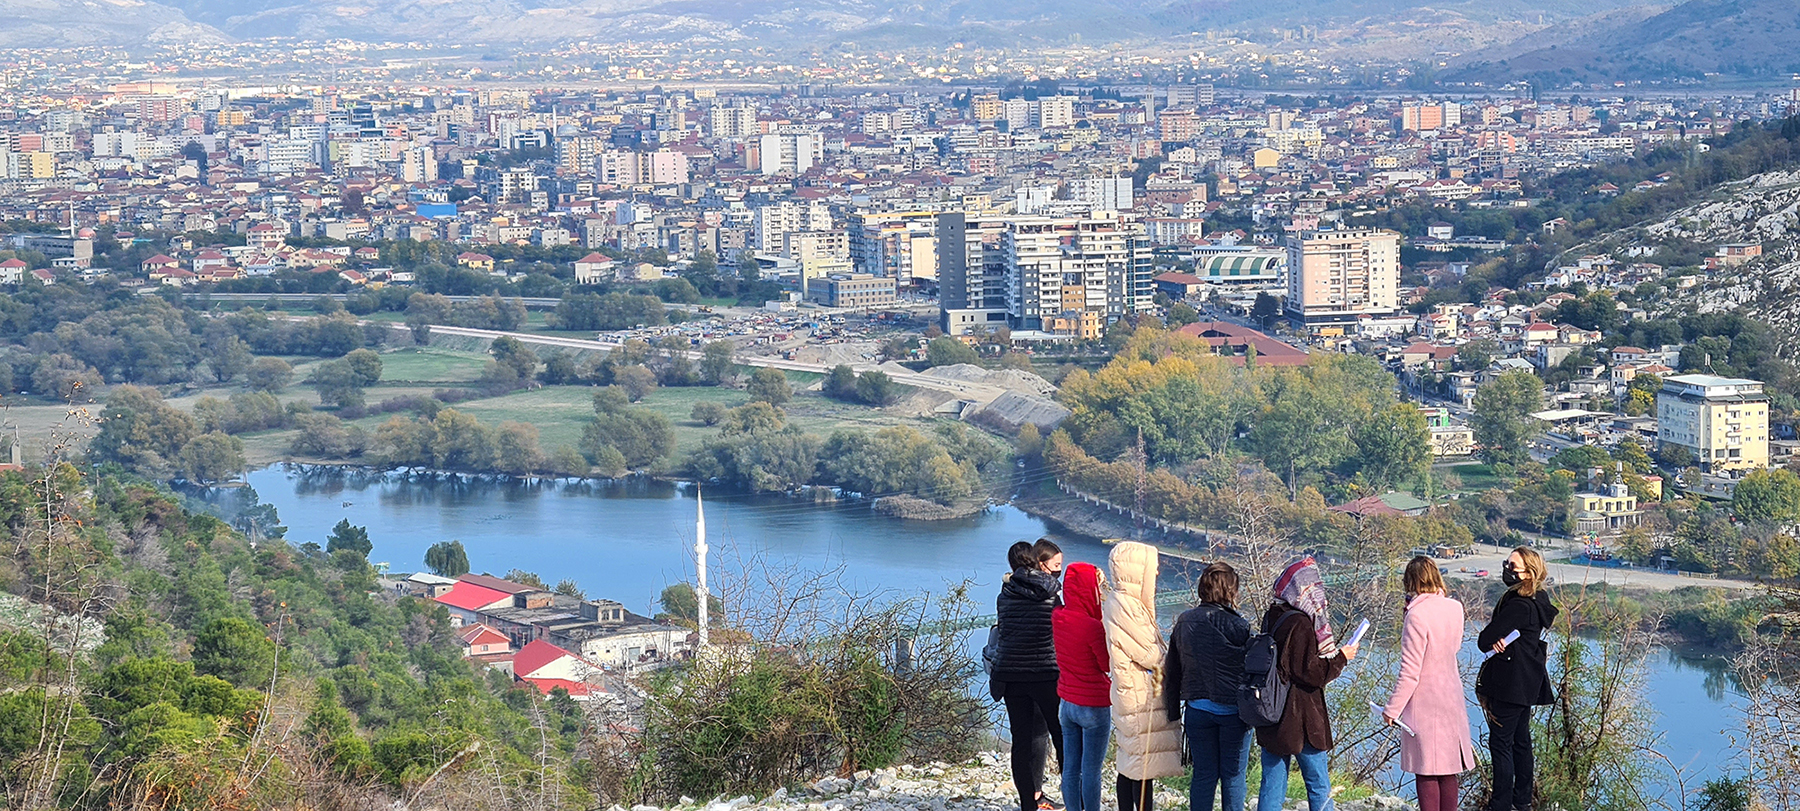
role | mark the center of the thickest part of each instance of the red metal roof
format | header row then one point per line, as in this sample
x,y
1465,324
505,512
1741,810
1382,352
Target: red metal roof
x,y
535,655
469,597
488,581
479,634
545,686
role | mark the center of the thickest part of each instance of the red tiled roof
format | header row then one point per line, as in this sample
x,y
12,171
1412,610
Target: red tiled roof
x,y
1366,506
535,655
1269,351
1178,278
469,596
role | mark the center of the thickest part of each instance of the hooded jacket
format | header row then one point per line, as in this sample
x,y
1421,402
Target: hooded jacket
x,y
1149,743
1520,675
1305,721
1027,651
1081,656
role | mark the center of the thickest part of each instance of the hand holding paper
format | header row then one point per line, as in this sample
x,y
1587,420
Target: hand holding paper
x,y
1381,714
1510,638
1357,635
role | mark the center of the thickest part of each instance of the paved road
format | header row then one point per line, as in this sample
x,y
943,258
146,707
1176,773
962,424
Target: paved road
x,y
968,391
1568,574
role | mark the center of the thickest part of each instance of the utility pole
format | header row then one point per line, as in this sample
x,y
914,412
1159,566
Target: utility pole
x,y
700,592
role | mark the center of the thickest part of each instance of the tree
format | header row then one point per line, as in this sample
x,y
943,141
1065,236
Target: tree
x,y
839,383
516,356
638,438
340,383
517,445
229,358
770,385
681,603
349,538
1395,446
1767,495
235,650
447,559
141,432
707,412
212,457
876,388
1502,419
365,364
948,351
636,381
718,362
269,374
1182,314
1475,356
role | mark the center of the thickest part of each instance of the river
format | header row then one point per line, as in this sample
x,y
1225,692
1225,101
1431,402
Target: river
x,y
627,540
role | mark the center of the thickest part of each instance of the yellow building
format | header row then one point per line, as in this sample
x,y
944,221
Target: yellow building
x,y
1605,512
1265,158
1722,421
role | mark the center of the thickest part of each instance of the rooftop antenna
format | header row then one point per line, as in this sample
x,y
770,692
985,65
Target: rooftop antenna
x,y
700,563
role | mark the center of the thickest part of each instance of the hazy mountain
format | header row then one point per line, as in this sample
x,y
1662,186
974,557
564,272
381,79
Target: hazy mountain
x,y
56,23
1749,38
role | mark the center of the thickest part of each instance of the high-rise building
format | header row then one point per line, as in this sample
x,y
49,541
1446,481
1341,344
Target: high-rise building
x,y
971,272
987,107
1103,193
1056,111
1178,124
663,166
576,154
789,153
1337,276
901,244
1191,95
775,221
1722,421
1058,268
732,122
1020,114
1417,117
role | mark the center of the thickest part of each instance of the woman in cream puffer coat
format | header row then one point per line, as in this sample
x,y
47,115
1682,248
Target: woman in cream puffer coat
x,y
1149,743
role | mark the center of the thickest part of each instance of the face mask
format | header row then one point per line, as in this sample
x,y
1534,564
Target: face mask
x,y
1510,576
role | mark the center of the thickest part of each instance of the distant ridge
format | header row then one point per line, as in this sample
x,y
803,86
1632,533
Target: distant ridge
x,y
1753,39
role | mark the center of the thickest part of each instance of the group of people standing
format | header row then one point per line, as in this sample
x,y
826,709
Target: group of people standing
x,y
1079,659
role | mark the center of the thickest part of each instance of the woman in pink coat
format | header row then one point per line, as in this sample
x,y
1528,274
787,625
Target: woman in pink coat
x,y
1429,697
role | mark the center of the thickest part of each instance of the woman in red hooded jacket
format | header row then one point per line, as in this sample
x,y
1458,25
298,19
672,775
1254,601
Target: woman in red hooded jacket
x,y
1084,684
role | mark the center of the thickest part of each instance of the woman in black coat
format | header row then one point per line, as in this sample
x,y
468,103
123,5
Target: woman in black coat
x,y
1516,677
1024,672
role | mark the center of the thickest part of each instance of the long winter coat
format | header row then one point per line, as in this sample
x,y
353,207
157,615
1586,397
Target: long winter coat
x,y
1149,743
1429,696
1305,721
1521,675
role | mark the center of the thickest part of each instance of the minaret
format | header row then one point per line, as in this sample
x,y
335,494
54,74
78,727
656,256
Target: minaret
x,y
700,592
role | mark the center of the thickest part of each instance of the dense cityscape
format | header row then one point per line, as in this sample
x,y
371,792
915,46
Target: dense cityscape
x,y
1238,294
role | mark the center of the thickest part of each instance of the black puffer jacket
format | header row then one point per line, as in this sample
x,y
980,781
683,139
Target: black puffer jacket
x,y
1027,651
1206,657
1521,675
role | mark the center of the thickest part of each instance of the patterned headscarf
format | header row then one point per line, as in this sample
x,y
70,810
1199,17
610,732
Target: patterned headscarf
x,y
1302,587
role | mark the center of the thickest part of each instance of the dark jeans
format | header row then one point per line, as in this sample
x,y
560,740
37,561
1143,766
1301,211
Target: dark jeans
x,y
1219,745
1031,712
1131,791
1509,749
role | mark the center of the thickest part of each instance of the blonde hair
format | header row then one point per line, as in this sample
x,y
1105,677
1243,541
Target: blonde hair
x,y
1535,568
1423,577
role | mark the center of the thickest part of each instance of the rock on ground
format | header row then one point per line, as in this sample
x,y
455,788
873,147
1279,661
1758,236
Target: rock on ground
x,y
983,784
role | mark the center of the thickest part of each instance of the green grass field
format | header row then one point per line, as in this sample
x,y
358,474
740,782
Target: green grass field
x,y
430,365
1475,476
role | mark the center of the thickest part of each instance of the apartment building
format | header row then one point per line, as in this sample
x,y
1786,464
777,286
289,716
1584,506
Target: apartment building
x,y
1338,276
1056,266
775,221
1722,421
898,244
971,272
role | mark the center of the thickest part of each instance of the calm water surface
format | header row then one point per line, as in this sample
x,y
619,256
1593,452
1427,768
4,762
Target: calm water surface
x,y
626,541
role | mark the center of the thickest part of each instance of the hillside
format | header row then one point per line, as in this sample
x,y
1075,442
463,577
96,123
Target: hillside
x,y
1751,39
1382,28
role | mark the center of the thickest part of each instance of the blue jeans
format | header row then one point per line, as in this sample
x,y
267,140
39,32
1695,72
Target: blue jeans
x,y
1219,745
1315,769
1085,732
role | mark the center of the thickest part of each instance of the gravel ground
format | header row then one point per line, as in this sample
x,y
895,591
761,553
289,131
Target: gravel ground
x,y
983,784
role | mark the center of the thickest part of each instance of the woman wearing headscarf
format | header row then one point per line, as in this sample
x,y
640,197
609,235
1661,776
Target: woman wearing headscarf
x,y
1149,742
1429,695
1084,685
1308,657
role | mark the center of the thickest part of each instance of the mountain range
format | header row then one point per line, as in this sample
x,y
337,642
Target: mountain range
x,y
1590,39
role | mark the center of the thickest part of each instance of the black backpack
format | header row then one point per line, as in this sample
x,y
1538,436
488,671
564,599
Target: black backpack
x,y
1263,693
